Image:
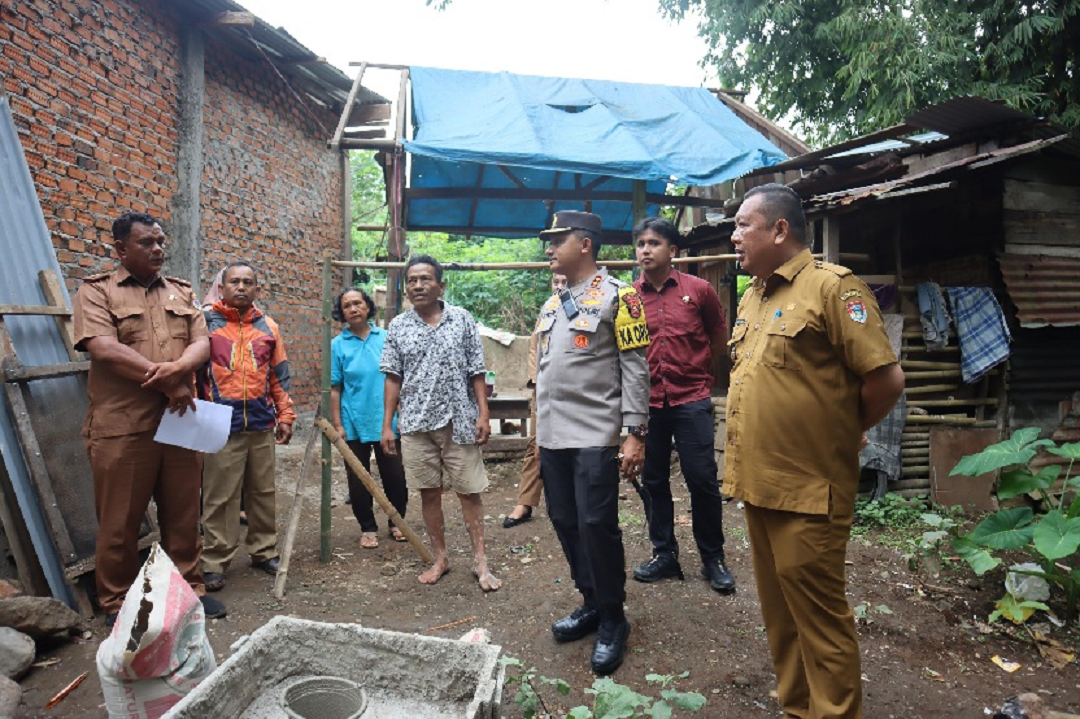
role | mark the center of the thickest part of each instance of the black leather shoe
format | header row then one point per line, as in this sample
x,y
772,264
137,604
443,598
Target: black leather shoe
x,y
659,567
580,623
270,566
214,582
610,647
718,575
212,608
515,521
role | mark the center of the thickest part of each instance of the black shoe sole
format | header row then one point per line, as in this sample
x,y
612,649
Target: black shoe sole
x,y
677,573
563,638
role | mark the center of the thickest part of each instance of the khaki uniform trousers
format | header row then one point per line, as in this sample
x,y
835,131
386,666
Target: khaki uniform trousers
x,y
799,569
128,470
245,463
531,487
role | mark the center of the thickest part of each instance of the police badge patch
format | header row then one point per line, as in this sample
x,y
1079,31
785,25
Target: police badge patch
x,y
856,310
631,331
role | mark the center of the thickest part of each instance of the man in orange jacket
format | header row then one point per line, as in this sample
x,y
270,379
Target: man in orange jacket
x,y
249,372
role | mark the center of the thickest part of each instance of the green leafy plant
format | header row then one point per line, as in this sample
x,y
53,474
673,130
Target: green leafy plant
x,y
1051,539
864,611
611,700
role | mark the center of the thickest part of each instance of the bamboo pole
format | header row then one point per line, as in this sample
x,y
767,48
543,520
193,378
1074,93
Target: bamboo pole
x,y
545,265
327,309
932,374
294,515
971,402
923,364
928,388
330,435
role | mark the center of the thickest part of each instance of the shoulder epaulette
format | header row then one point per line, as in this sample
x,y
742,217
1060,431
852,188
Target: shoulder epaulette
x,y
617,282
97,278
179,281
838,270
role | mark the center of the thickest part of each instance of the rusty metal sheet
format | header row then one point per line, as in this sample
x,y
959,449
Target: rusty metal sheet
x,y
1043,288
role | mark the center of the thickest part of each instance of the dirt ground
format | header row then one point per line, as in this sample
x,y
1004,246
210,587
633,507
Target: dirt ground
x,y
931,657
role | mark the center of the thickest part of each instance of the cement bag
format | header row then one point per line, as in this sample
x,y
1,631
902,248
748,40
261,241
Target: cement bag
x,y
158,650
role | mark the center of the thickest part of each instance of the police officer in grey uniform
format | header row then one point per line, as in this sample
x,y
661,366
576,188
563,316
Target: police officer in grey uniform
x,y
592,382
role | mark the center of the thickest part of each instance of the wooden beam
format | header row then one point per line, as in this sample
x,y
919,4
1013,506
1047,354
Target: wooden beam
x,y
20,373
513,178
515,194
34,310
379,65
403,86
364,134
50,286
234,19
347,110
830,239
362,114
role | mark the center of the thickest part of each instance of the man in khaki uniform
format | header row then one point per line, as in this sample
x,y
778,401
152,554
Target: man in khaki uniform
x,y
146,338
813,370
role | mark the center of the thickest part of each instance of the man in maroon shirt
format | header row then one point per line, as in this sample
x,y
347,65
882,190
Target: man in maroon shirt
x,y
687,327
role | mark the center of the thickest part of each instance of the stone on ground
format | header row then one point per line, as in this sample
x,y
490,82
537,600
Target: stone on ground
x,y
39,617
10,695
16,653
9,589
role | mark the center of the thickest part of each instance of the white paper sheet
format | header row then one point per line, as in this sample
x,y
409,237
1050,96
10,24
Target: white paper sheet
x,y
205,430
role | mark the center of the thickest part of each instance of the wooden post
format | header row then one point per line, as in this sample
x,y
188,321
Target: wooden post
x,y
639,200
830,241
294,514
331,435
344,121
327,455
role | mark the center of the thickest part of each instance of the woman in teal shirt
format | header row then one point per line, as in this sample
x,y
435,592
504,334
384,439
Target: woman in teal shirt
x,y
356,409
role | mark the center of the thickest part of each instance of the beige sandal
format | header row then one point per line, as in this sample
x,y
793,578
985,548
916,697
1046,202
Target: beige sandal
x,y
369,540
397,535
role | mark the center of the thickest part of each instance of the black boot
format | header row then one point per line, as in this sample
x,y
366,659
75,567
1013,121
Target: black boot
x,y
610,648
580,623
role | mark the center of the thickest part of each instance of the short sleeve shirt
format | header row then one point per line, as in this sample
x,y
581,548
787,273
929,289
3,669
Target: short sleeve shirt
x,y
354,366
801,344
158,322
436,366
684,315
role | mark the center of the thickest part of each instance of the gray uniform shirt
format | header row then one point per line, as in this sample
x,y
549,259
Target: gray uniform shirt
x,y
592,376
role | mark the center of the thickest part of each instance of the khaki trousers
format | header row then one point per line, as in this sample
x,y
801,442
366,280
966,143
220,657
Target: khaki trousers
x,y
531,487
799,569
245,463
128,471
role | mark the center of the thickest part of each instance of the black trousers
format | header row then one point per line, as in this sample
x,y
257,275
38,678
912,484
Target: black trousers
x,y
691,425
392,472
582,491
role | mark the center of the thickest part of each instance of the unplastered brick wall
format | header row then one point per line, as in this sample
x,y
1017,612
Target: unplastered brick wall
x,y
93,93
270,195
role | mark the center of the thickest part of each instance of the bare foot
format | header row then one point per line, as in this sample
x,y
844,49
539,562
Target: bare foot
x,y
436,572
488,581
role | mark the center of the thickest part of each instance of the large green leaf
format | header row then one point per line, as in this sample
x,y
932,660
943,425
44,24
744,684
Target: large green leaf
x,y
1069,451
1021,481
1018,449
1056,535
980,560
1007,529
688,701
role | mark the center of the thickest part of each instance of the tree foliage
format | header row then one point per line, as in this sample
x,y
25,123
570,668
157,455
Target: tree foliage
x,y
840,68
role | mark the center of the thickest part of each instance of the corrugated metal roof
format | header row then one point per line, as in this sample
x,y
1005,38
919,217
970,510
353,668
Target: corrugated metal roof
x,y
1044,289
320,80
967,114
984,159
27,248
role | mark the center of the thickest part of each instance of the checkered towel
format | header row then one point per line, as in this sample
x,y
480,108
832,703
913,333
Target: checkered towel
x,y
980,326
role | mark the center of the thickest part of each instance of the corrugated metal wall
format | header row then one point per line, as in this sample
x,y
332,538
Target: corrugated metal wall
x,y
26,249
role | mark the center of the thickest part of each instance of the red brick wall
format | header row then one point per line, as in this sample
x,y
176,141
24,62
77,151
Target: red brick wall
x,y
93,91
270,195
93,86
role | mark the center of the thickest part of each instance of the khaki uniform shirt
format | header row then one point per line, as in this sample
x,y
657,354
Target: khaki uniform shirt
x,y
800,346
158,322
592,375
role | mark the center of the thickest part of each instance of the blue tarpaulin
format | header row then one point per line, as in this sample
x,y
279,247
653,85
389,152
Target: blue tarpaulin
x,y
501,136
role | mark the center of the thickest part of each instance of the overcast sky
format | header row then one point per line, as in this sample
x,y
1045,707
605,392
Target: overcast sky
x,y
624,40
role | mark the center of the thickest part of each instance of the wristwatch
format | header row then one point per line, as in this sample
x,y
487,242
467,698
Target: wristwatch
x,y
641,431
